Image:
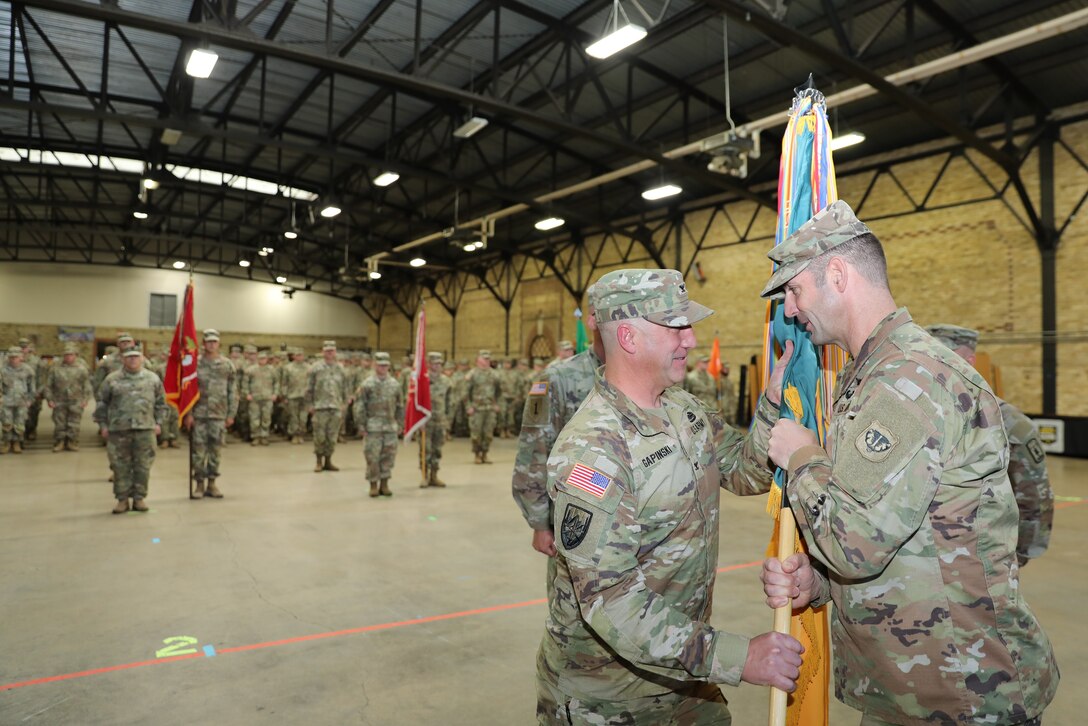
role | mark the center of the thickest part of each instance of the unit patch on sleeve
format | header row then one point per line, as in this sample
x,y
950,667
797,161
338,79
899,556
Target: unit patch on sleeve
x,y
876,442
575,525
1036,450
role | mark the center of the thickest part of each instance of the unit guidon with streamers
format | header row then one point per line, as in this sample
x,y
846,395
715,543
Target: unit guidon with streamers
x,y
589,480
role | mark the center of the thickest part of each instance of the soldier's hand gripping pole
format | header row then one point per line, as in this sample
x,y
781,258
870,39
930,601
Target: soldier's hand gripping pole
x,y
787,532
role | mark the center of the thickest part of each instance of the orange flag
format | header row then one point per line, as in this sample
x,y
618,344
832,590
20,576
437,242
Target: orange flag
x,y
715,365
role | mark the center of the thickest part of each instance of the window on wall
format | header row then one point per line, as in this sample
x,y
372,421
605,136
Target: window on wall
x,y
164,311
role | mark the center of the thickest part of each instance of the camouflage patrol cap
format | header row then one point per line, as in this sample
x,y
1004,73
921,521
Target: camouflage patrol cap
x,y
111,349
523,361
484,354
211,334
463,362
15,350
449,365
24,342
381,359
434,357
364,355
134,350
125,338
828,229
659,296
262,354
328,345
70,348
249,348
566,345
954,336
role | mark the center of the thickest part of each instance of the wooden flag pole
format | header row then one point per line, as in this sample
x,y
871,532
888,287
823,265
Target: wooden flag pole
x,y
787,541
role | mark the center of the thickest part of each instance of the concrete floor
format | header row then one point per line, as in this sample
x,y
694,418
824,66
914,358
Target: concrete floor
x,y
299,599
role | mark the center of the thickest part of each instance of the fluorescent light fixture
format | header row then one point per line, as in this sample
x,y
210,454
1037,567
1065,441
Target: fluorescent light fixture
x,y
386,178
469,128
243,263
847,139
150,183
290,234
263,252
169,137
470,247
617,40
330,211
550,223
281,279
139,214
417,262
665,190
375,275
179,265
201,62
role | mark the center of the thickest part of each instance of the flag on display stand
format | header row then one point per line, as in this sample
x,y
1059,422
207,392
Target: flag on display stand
x,y
417,411
181,385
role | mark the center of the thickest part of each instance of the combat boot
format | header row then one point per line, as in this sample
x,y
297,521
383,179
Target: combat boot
x,y
16,447
164,444
320,465
72,445
484,459
384,490
58,447
264,441
213,490
138,505
255,442
198,492
174,444
434,481
4,447
122,506
329,466
479,458
373,488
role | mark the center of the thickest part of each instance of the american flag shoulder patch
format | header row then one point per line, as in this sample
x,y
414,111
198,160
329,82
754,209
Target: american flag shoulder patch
x,y
539,388
589,480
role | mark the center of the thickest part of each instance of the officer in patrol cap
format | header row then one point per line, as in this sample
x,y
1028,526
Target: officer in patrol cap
x,y
1027,460
635,479
908,510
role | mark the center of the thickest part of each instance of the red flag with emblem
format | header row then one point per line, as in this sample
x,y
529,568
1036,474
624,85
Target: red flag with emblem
x,y
418,409
181,385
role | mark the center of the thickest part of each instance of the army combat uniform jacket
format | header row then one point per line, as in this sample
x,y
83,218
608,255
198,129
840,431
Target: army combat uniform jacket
x,y
911,511
130,401
218,393
1030,484
636,501
554,395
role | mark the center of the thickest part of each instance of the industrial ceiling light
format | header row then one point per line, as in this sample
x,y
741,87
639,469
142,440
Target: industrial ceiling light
x,y
169,137
281,279
417,262
150,182
265,251
386,178
243,263
616,41
330,210
661,192
550,223
848,139
201,62
375,275
179,265
469,128
139,214
290,234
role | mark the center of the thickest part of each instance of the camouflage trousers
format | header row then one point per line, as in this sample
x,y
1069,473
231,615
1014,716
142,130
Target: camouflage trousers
x,y
349,427
436,437
13,420
514,415
380,448
131,455
207,435
701,705
169,425
326,430
67,416
867,720
242,424
296,416
260,418
481,427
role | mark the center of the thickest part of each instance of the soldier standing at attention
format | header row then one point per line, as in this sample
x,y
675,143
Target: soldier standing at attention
x,y
908,512
293,388
380,413
328,391
260,386
439,421
131,406
212,414
702,385
483,392
729,396
566,351
1027,460
553,397
635,480
67,391
458,403
112,361
168,439
34,363
17,391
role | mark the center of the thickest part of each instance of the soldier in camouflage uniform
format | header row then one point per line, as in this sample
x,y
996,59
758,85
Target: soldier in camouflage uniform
x,y
1027,460
458,403
131,406
40,367
483,391
522,377
260,387
112,361
67,390
635,481
729,396
380,413
168,439
909,511
702,385
566,351
293,389
328,391
438,423
551,400
17,392
212,415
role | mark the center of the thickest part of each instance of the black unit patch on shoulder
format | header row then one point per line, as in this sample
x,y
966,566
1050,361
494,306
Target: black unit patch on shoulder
x,y
1036,450
575,525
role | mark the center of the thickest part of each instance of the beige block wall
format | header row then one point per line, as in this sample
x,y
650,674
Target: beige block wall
x,y
967,260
